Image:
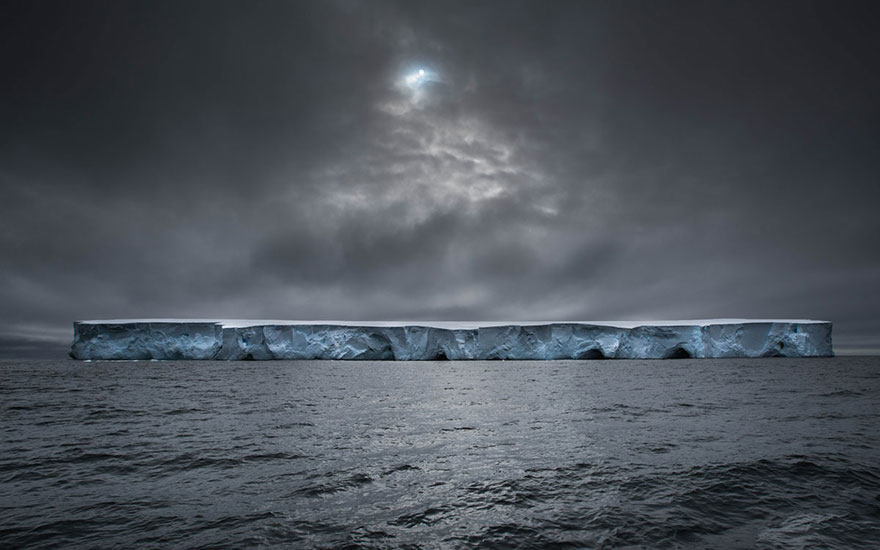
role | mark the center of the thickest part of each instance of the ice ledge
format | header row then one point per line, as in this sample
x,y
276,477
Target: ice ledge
x,y
167,339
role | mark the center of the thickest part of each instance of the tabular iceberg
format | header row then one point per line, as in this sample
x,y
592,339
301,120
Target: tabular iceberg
x,y
169,339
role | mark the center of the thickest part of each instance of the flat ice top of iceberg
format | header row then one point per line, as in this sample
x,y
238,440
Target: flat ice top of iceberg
x,y
238,323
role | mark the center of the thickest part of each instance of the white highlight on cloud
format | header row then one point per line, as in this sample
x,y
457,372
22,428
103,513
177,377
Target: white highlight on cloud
x,y
416,78
413,85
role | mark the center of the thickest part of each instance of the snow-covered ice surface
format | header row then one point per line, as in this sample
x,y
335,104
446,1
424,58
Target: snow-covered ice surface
x,y
167,339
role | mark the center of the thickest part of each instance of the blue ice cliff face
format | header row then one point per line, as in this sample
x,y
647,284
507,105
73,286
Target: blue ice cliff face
x,y
173,339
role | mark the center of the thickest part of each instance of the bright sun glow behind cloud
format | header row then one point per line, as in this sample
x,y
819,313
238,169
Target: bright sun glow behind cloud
x,y
416,77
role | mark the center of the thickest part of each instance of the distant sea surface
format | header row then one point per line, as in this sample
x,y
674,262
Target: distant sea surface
x,y
762,453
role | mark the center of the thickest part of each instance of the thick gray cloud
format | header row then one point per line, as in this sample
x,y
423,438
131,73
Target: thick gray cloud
x,y
607,160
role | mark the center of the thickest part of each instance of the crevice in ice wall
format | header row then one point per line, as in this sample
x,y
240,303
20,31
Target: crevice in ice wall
x,y
677,352
592,354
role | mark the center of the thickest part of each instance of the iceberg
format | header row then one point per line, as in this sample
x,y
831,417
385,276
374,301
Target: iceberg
x,y
237,340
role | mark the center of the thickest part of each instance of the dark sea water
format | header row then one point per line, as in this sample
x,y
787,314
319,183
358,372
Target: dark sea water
x,y
767,453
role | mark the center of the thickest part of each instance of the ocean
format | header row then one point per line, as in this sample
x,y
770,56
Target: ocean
x,y
731,453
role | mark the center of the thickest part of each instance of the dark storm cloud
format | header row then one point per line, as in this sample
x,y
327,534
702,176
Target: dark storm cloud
x,y
564,160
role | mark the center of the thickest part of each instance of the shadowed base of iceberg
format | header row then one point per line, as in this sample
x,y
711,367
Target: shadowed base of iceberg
x,y
169,339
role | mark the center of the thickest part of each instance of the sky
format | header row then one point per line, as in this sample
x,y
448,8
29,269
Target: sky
x,y
552,161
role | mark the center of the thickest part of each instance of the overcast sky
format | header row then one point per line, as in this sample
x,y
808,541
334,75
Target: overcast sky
x,y
555,161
